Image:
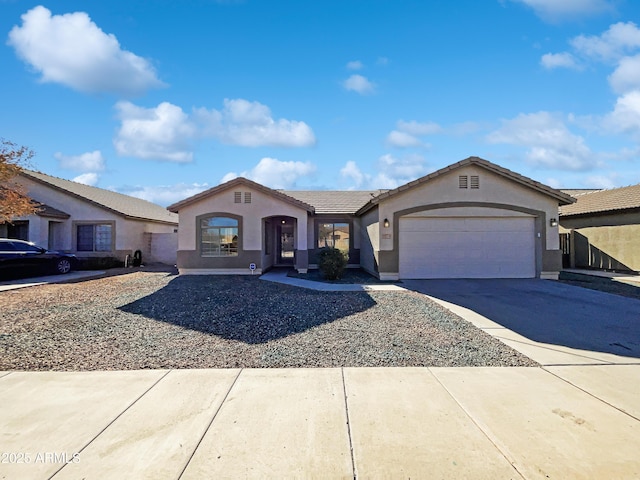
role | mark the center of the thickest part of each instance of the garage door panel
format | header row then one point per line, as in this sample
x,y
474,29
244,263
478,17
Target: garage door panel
x,y
501,247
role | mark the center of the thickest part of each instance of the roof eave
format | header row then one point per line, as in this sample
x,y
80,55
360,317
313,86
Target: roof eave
x,y
610,211
88,200
175,208
151,220
563,198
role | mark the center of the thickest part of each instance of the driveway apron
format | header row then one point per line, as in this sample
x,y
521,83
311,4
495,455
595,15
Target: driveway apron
x,y
547,312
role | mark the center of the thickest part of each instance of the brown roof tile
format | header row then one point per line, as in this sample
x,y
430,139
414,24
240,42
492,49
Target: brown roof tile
x,y
334,201
604,201
233,183
45,210
119,203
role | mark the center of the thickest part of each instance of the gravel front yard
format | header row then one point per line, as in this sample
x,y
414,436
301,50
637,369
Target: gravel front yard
x,y
158,320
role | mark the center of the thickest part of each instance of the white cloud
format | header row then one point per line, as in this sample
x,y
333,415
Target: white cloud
x,y
626,77
382,61
400,170
352,174
557,10
614,43
559,60
160,133
390,172
166,131
602,181
163,194
402,140
250,124
275,173
553,183
407,133
355,65
85,162
358,83
72,50
87,178
625,117
550,143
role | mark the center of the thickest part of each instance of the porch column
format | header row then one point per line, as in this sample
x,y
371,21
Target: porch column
x,y
302,253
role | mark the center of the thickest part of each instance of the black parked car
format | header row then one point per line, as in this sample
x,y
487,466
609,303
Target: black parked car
x,y
20,259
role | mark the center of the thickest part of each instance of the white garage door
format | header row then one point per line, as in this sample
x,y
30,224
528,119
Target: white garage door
x,y
467,247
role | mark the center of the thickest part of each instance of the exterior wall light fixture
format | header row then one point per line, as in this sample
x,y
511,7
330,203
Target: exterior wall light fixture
x,y
553,222
386,223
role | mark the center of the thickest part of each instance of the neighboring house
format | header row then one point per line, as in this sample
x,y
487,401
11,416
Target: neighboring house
x,y
472,219
602,229
93,222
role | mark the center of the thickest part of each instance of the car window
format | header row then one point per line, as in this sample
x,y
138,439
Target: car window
x,y
7,247
25,247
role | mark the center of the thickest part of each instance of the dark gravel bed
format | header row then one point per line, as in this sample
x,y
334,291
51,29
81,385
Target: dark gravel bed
x,y
350,275
157,320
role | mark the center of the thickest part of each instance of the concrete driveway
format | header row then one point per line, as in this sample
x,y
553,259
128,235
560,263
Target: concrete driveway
x,y
555,318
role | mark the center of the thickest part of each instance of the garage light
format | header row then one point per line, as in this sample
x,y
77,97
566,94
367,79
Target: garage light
x,y
553,222
386,223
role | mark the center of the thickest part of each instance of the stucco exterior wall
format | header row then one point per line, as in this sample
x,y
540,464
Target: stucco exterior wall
x,y
251,237
495,192
128,233
160,248
608,242
369,241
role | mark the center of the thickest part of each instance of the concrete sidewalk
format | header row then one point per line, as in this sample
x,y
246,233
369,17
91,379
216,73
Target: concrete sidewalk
x,y
280,276
46,279
494,423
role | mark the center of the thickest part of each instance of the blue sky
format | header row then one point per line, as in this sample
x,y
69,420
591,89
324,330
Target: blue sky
x,y
163,99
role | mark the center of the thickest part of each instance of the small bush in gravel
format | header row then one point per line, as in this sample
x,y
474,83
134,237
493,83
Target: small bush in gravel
x,y
332,262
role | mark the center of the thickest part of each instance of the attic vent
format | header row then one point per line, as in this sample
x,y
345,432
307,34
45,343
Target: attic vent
x,y
463,181
475,181
237,197
247,197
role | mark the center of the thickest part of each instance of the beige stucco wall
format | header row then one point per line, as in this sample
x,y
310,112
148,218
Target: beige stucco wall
x,y
369,240
261,206
250,243
495,192
493,189
129,233
610,242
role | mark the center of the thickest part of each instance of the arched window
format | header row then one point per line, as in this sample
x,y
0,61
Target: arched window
x,y
219,237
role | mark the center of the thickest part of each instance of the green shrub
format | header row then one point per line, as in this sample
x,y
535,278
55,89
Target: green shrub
x,y
332,262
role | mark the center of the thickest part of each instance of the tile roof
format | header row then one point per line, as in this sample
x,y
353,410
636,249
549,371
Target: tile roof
x,y
130,207
234,183
615,199
45,210
574,192
334,201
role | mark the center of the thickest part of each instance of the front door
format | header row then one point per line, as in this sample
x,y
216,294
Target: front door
x,y
286,245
